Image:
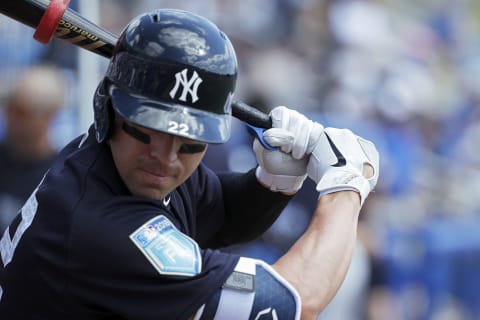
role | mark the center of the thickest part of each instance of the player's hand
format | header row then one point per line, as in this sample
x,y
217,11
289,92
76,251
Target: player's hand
x,y
342,160
285,169
292,132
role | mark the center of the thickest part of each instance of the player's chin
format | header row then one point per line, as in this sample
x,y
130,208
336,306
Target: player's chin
x,y
151,192
156,190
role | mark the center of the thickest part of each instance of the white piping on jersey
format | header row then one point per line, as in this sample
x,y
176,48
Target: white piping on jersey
x,y
7,245
84,138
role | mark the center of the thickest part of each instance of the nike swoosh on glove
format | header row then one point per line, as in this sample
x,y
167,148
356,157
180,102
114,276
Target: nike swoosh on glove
x,y
341,160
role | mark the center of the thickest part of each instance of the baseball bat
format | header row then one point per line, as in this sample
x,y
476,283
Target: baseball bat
x,y
81,32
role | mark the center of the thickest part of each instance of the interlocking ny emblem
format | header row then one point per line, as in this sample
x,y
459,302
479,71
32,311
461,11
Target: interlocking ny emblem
x,y
190,86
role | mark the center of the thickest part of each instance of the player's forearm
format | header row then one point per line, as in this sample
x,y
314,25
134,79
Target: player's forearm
x,y
250,208
317,263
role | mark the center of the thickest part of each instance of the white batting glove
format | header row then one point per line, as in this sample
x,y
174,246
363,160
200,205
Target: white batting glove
x,y
342,160
285,169
278,170
303,132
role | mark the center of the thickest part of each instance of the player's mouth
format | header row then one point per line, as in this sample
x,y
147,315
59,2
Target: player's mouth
x,y
155,177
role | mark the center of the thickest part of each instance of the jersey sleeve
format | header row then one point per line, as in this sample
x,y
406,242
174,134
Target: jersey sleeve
x,y
141,266
231,208
250,209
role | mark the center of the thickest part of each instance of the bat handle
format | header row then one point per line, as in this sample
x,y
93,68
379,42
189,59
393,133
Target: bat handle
x,y
251,115
257,121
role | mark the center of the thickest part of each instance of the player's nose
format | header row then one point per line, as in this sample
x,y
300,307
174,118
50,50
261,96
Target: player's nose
x,y
164,147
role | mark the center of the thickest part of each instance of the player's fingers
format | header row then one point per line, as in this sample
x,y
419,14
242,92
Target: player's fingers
x,y
282,138
280,117
301,127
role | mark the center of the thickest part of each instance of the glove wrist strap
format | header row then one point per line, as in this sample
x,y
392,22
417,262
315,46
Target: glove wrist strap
x,y
280,183
344,178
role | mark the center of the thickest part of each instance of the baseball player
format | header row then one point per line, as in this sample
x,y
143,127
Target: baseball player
x,y
128,222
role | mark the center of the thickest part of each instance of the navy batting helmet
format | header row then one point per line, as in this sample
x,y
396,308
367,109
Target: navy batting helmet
x,y
171,71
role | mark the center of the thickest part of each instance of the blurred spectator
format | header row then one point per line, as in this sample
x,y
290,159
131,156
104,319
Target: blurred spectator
x,y
26,150
17,47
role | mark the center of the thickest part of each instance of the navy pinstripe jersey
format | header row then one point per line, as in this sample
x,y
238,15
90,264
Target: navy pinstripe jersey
x,y
84,248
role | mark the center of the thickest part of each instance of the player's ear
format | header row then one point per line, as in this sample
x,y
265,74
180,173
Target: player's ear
x,y
103,111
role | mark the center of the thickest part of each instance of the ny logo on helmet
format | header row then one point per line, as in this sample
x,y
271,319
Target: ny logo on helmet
x,y
190,86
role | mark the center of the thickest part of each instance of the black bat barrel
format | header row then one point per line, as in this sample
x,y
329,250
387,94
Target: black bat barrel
x,y
26,12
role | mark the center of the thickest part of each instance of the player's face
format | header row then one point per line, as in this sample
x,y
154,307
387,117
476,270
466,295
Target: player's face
x,y
151,163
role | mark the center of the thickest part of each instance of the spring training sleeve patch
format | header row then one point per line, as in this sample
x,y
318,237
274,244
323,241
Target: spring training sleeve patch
x,y
170,251
254,291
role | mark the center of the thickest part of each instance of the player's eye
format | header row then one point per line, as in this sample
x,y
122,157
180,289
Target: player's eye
x,y
185,148
135,133
191,148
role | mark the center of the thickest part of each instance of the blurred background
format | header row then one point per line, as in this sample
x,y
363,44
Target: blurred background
x,y
402,73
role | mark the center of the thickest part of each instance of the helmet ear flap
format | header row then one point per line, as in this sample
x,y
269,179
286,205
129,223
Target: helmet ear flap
x,y
103,113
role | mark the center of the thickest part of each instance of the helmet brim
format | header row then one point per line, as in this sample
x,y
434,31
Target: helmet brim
x,y
171,118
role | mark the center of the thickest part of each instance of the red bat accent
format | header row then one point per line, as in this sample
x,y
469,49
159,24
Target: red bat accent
x,y
50,20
